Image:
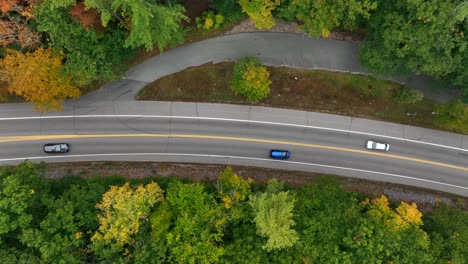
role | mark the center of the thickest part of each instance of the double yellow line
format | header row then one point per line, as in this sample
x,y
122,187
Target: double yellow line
x,y
210,137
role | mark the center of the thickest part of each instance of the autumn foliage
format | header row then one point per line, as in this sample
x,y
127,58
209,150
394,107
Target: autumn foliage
x,y
14,27
403,217
88,18
37,78
122,210
251,79
260,11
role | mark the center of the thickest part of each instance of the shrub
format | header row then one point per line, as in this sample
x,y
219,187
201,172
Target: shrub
x,y
210,21
406,95
251,80
230,9
452,115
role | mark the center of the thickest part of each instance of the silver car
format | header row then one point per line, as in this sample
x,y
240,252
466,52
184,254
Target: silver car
x,y
374,145
56,148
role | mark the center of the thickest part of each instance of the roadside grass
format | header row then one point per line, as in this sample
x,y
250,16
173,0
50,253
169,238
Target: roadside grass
x,y
310,90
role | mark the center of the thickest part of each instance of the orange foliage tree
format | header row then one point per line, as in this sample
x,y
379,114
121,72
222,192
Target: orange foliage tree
x,y
88,18
36,76
14,17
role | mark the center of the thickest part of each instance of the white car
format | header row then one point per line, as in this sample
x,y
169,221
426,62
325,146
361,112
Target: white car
x,y
377,145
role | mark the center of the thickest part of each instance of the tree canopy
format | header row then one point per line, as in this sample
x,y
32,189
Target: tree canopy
x,y
319,17
422,37
112,219
260,11
37,77
273,217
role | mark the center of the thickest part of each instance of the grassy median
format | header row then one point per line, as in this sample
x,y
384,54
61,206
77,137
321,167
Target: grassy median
x,y
310,90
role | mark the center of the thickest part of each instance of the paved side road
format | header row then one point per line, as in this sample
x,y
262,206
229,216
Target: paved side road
x,y
275,49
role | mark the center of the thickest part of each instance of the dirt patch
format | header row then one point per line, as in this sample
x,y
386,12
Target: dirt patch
x,y
425,199
247,25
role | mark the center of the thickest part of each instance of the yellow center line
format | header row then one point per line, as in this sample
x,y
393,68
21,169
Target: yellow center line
x,y
256,140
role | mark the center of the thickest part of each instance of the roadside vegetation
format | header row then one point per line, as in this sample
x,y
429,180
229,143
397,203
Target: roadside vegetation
x,y
87,42
313,90
231,220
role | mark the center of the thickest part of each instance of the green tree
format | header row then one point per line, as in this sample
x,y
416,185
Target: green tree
x,y
155,249
324,214
386,235
244,246
233,190
64,233
274,186
260,11
273,217
58,239
15,199
321,16
89,55
462,11
417,36
452,115
197,225
149,22
448,229
251,79
16,256
23,190
230,9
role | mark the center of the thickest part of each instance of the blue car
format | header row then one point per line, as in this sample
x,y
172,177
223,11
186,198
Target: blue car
x,y
279,154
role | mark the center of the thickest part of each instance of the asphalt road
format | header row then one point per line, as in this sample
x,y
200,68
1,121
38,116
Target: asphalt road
x,y
240,143
319,142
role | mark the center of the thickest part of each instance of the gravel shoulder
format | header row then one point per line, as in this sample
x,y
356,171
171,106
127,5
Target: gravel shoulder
x,y
425,199
247,25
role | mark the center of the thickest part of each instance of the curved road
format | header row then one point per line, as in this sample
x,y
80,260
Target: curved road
x,y
243,135
110,125
276,49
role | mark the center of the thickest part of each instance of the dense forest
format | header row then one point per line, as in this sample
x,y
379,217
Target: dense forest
x,y
231,220
51,49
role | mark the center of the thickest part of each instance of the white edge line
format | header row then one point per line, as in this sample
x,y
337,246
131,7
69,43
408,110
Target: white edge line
x,y
236,120
236,157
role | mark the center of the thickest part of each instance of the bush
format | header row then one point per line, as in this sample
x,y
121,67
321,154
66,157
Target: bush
x,y
230,9
251,80
452,115
210,21
406,95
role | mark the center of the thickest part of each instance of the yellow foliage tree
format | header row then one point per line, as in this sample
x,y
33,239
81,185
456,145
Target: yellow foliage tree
x,y
409,214
233,191
251,79
260,11
232,188
403,217
122,210
36,76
